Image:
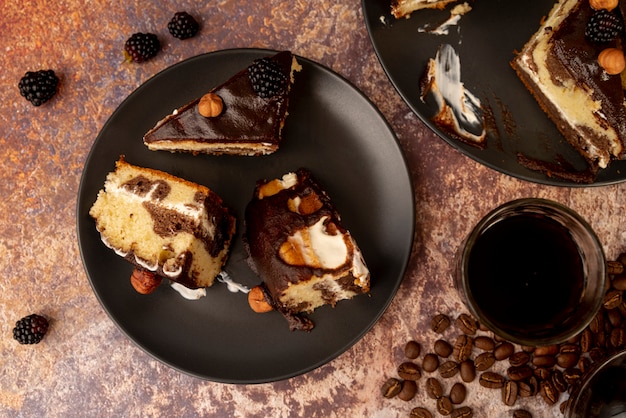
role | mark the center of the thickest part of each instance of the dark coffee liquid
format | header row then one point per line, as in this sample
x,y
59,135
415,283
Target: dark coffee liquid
x,y
526,275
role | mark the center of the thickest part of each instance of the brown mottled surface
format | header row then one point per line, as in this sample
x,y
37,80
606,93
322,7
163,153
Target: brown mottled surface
x,y
85,366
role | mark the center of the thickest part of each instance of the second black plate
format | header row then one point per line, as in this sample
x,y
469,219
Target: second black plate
x,y
485,39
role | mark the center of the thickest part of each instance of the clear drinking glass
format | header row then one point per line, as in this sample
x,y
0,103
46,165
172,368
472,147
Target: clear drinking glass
x,y
532,271
602,393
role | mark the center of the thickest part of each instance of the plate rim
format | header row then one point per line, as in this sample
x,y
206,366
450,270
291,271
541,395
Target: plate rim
x,y
344,347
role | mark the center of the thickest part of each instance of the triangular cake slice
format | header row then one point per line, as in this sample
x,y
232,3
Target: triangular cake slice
x,y
243,116
559,66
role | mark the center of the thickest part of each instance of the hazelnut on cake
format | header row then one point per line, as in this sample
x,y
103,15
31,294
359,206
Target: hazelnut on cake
x,y
243,116
164,225
299,247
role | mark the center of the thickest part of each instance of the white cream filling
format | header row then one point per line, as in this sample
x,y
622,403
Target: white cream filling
x,y
288,180
359,269
232,285
444,28
319,249
456,104
186,209
187,293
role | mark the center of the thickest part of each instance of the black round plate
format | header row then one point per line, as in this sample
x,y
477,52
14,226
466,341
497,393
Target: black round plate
x,y
334,131
485,39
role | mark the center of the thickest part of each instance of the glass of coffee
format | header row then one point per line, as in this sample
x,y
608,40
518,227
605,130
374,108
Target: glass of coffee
x,y
532,271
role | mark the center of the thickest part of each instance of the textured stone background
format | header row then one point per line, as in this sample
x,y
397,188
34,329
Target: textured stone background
x,y
85,366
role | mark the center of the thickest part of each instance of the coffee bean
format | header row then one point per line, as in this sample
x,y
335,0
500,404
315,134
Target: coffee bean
x,y
570,348
597,323
519,372
467,370
519,358
440,323
522,413
559,381
524,390
542,373
391,387
491,380
614,267
449,369
444,406
419,412
467,324
484,361
600,341
619,282
462,412
433,388
584,364
412,350
544,361
566,360
462,347
618,337
458,393
509,393
597,353
409,371
548,350
564,405
534,384
615,317
586,340
408,391
430,362
484,343
572,375
504,350
612,299
548,392
442,348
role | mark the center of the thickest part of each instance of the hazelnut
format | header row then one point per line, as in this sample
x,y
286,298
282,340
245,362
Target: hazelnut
x,y
210,105
612,60
257,301
603,4
144,282
291,253
307,205
270,189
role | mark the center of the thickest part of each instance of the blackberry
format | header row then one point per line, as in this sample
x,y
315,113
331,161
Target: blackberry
x,y
183,26
38,86
267,77
141,47
30,329
603,26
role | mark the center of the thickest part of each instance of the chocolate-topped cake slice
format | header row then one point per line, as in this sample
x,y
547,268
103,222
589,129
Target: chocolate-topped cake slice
x,y
243,116
299,247
561,67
